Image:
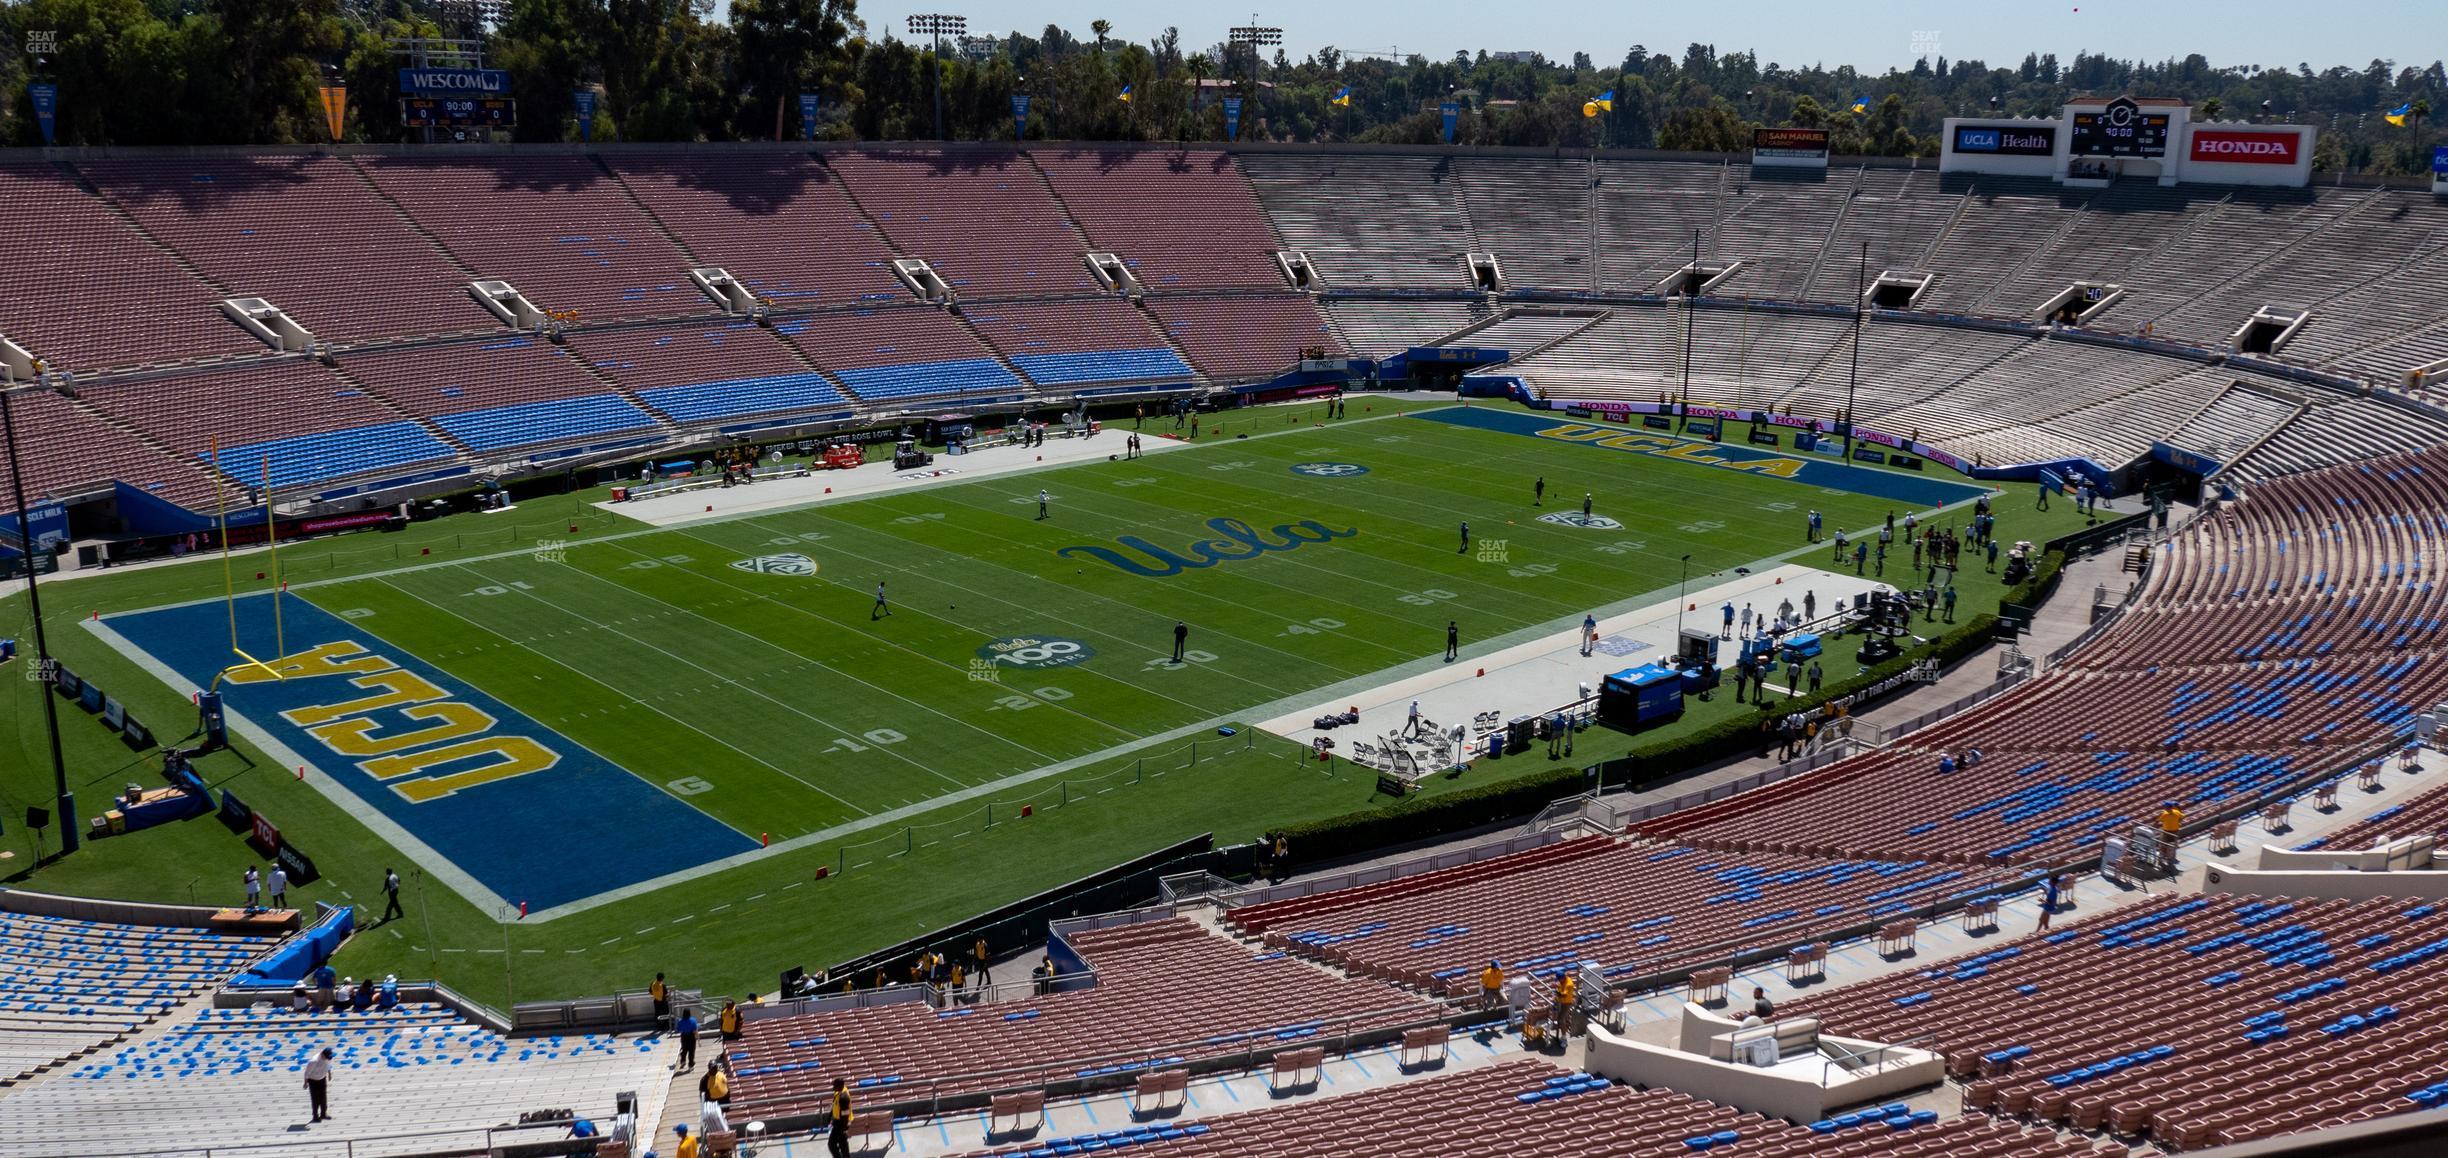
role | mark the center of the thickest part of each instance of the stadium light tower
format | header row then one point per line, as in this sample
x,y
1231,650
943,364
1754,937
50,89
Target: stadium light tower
x,y
938,25
64,811
1256,36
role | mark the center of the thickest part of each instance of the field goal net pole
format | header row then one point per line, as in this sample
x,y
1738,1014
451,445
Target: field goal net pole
x,y
229,579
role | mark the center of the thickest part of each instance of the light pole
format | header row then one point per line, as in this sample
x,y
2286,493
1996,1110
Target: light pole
x,y
938,25
1680,585
1861,302
1256,36
66,804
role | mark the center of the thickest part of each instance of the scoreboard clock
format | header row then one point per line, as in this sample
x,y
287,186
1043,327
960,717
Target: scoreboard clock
x,y
428,112
2120,130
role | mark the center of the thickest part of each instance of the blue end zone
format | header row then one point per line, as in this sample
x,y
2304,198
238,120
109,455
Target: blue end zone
x,y
577,828
1835,476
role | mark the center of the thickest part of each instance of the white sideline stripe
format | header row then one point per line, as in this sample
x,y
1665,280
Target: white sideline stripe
x,y
434,863
877,820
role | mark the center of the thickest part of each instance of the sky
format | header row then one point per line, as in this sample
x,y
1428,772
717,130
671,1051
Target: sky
x,y
1871,35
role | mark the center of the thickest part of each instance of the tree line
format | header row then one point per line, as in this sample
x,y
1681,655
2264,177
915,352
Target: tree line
x,y
230,72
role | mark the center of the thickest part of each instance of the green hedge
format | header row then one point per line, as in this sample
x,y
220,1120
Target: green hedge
x,y
1422,818
2036,586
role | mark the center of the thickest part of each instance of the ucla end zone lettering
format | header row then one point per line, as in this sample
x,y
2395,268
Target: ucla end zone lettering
x,y
1925,492
524,811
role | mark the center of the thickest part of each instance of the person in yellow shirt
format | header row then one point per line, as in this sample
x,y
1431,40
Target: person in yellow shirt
x,y
2171,818
1491,986
1568,995
688,1142
662,998
837,1140
730,1021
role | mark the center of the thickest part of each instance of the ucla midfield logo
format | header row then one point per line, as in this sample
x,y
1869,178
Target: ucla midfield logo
x,y
1235,541
777,565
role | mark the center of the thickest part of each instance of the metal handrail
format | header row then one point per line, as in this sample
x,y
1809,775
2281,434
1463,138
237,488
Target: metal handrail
x,y
984,1084
1880,1054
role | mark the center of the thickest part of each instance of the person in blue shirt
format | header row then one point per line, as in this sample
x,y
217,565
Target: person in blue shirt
x,y
687,1028
1589,633
324,979
1728,633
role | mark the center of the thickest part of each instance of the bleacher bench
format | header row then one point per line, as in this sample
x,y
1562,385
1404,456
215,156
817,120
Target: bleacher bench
x,y
1026,1110
1161,1093
1296,1068
1806,961
1708,986
1896,937
1422,1046
870,1124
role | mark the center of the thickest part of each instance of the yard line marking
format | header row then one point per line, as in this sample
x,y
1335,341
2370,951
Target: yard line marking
x,y
791,708
565,666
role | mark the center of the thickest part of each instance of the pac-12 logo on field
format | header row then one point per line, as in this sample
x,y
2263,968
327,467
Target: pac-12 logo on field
x,y
1035,651
1577,519
777,565
1329,469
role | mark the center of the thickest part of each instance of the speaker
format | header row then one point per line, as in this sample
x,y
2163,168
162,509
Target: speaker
x,y
38,817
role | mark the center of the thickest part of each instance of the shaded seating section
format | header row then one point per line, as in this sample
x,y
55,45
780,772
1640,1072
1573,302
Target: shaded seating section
x,y
1368,220
67,986
2189,1020
90,294
1626,907
1376,329
68,452
1168,990
1530,1107
1180,219
1244,337
777,221
232,1075
902,354
305,233
311,426
1084,340
500,393
710,371
556,227
982,220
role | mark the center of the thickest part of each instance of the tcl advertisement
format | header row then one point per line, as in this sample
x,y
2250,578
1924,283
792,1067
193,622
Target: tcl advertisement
x,y
2240,147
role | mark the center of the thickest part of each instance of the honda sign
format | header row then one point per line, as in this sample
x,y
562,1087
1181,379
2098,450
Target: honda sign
x,y
2232,147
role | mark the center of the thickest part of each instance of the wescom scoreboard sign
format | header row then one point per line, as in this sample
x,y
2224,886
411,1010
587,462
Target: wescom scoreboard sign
x,y
456,98
1790,148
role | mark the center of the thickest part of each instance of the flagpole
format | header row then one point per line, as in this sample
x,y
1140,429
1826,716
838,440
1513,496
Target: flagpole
x,y
1861,293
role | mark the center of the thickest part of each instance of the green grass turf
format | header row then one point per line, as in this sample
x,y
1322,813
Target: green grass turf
x,y
797,713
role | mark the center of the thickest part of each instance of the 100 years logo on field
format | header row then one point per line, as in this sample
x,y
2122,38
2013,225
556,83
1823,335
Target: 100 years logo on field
x,y
1577,519
1035,651
777,565
1329,469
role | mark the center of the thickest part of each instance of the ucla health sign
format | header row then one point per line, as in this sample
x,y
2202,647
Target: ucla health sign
x,y
454,82
2007,140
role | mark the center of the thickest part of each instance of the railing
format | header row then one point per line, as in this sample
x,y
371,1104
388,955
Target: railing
x,y
537,1138
1871,1059
1099,1072
1378,874
1586,812
1199,886
1890,733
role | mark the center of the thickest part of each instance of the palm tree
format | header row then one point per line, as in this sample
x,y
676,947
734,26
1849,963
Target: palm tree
x,y
1100,27
2212,108
1198,86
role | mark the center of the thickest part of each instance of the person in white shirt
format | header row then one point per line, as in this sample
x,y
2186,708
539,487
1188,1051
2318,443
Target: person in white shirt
x,y
299,1002
318,1084
280,887
254,887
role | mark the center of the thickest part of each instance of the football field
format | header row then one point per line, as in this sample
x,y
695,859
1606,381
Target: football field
x,y
736,688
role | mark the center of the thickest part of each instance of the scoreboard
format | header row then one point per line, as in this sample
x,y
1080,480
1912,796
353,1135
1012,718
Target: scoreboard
x,y
2120,130
434,112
